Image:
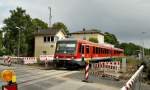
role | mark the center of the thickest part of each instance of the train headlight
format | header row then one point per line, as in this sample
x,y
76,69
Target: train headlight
x,y
72,57
57,57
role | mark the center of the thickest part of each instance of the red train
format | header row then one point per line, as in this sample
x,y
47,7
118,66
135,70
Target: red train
x,y
69,52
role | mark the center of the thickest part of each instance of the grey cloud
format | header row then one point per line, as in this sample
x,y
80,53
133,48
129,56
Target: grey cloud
x,y
124,18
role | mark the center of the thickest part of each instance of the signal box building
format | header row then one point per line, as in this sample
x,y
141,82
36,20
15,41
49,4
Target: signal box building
x,y
45,41
86,34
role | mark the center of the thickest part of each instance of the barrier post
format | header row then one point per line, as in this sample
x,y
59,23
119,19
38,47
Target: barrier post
x,y
86,71
46,63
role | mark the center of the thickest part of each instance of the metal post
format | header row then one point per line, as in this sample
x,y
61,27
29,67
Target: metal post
x,y
50,16
19,44
143,52
18,51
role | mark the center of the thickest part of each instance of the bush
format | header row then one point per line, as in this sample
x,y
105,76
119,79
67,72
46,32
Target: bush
x,y
92,39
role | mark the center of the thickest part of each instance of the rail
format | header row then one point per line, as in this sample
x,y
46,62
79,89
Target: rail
x,y
130,84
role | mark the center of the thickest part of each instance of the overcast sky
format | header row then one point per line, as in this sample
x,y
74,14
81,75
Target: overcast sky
x,y
127,19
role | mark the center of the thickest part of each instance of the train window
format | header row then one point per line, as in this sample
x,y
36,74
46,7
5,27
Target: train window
x,y
82,49
107,51
96,50
93,50
79,48
87,49
100,50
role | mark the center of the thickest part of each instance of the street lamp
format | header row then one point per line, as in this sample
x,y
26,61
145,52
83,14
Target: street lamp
x,y
18,41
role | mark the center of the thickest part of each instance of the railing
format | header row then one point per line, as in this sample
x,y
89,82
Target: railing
x,y
134,82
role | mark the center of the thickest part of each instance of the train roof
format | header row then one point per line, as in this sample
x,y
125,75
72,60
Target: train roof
x,y
91,43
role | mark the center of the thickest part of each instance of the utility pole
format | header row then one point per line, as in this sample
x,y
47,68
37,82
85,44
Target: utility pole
x,y
84,37
143,53
50,16
18,41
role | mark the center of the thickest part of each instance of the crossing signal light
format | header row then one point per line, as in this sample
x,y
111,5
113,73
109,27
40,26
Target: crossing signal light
x,y
8,75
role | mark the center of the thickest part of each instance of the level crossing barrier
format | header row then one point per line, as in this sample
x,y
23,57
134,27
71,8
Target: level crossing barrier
x,y
46,59
106,69
134,82
29,60
7,60
109,69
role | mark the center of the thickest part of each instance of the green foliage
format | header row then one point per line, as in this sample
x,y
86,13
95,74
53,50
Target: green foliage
x,y
39,24
92,39
21,22
60,25
1,40
111,39
129,48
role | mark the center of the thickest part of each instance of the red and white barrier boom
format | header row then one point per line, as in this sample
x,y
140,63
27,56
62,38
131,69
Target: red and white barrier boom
x,y
130,85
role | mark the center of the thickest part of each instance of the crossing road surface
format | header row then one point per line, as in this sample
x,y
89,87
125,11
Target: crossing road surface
x,y
33,78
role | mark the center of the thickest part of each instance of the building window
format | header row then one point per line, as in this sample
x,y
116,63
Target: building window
x,y
52,38
48,39
44,39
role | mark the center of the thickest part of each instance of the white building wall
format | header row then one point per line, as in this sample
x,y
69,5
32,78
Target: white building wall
x,y
80,36
49,47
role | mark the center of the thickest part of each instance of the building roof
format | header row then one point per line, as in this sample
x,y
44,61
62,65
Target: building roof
x,y
48,31
92,31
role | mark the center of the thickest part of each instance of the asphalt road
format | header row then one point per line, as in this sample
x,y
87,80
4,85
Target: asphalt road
x,y
33,78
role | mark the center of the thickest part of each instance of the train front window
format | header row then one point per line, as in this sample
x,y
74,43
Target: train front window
x,y
67,48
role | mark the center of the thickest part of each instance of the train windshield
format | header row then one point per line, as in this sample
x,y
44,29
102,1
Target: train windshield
x,y
66,47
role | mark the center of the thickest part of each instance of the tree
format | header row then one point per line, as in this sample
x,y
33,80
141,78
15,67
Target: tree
x,y
93,39
129,48
60,25
21,22
18,21
111,39
39,24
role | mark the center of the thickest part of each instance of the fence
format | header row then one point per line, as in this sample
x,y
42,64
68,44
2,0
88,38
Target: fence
x,y
8,60
134,82
107,69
